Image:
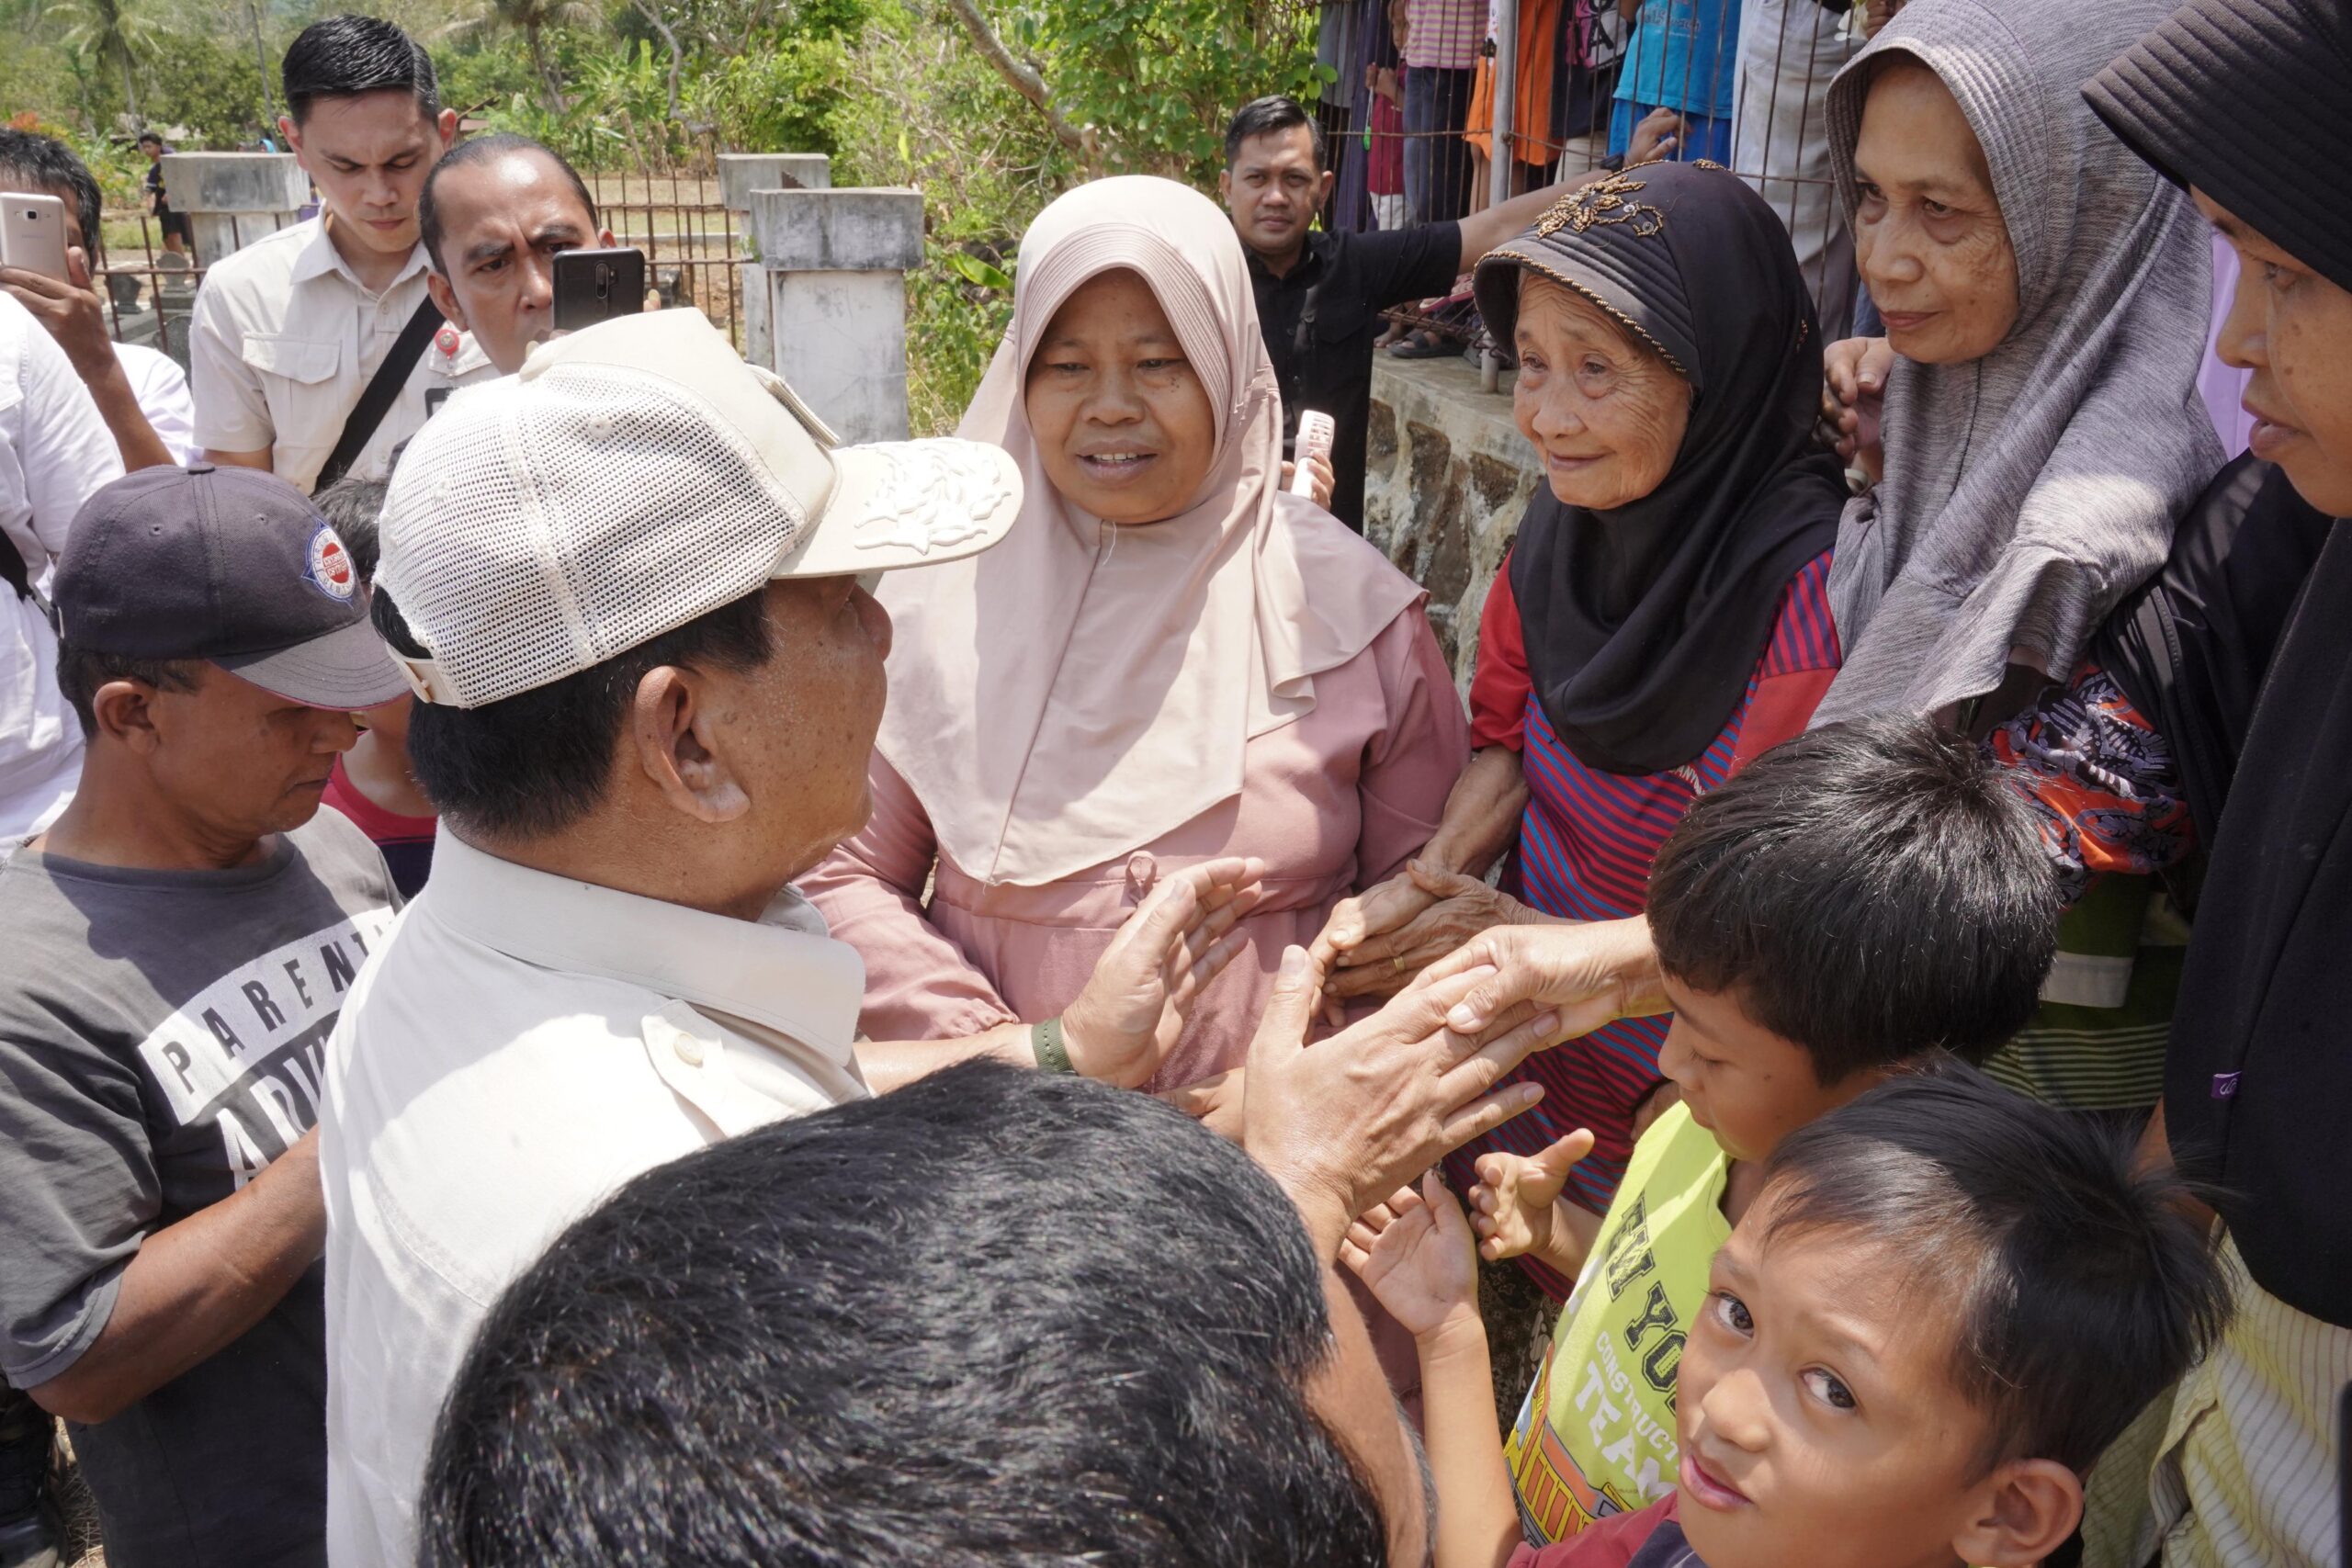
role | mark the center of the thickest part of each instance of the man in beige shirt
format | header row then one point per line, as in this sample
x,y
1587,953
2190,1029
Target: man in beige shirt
x,y
288,332
623,584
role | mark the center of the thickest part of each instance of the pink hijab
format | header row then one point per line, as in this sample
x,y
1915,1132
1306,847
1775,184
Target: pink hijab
x,y
1082,689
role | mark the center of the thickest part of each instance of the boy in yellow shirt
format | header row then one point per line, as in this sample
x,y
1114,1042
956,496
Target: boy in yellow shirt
x,y
1854,902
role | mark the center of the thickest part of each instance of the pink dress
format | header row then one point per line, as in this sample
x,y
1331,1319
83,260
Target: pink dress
x,y
1335,802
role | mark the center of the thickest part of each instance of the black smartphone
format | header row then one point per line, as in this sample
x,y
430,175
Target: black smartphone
x,y
596,286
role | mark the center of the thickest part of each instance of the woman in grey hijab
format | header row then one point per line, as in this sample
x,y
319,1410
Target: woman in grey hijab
x,y
2046,297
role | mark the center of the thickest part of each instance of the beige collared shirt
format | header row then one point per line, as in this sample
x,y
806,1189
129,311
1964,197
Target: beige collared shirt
x,y
284,340
521,1045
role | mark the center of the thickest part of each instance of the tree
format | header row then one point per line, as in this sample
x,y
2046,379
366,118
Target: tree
x,y
532,19
112,30
1143,85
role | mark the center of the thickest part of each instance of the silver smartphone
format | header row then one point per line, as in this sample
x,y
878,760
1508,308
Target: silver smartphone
x,y
32,234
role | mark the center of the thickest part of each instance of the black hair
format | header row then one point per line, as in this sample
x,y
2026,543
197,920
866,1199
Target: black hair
x,y
147,136
479,150
1270,116
81,671
2080,1290
539,761
996,1317
344,56
41,165
1872,890
353,504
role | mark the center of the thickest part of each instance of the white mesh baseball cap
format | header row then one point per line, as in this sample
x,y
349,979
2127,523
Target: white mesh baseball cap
x,y
635,475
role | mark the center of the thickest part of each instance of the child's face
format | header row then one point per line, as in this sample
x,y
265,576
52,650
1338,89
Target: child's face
x,y
1744,1083
389,723
1820,1426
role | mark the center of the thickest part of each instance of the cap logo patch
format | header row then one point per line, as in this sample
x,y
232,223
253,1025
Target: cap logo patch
x,y
329,567
937,496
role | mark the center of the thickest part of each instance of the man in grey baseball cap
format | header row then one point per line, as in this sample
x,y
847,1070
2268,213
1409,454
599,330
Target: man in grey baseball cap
x,y
179,944
624,585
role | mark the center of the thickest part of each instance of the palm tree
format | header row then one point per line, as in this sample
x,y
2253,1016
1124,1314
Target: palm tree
x,y
116,32
531,19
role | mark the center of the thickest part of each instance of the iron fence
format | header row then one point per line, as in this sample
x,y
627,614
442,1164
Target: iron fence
x,y
690,242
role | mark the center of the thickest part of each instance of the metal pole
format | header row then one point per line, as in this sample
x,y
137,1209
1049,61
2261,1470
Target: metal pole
x,y
1506,110
261,63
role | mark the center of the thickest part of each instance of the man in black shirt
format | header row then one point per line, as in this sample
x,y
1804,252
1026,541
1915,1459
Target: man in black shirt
x,y
1320,294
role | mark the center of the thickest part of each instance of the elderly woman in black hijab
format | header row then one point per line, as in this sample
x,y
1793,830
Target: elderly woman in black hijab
x,y
1662,617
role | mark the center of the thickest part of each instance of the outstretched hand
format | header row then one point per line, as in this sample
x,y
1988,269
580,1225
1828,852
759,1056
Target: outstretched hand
x,y
1343,1123
1459,907
1590,973
1853,395
1122,1025
1514,1204
1413,1254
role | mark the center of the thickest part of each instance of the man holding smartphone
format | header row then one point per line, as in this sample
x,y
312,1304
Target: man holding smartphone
x,y
494,216
312,350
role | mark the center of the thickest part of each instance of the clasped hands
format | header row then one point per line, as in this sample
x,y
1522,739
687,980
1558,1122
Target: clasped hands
x,y
1345,1122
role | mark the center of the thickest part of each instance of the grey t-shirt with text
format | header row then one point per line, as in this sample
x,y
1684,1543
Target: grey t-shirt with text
x,y
162,1035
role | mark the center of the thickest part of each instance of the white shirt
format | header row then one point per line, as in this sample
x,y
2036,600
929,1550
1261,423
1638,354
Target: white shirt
x,y
284,340
55,450
160,388
521,1045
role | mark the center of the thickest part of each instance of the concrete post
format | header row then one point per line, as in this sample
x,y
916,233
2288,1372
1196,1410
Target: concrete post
x,y
832,276
740,174
234,199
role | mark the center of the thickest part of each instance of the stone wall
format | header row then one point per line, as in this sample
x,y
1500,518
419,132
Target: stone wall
x,y
1448,479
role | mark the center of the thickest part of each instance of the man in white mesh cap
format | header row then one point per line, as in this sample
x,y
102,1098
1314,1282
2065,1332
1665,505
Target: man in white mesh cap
x,y
624,584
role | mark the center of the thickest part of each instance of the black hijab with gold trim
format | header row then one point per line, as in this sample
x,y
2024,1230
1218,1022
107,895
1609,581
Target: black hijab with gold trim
x,y
1644,623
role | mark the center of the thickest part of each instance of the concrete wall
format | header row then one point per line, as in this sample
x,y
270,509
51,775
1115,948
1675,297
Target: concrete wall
x,y
233,199
1448,478
833,318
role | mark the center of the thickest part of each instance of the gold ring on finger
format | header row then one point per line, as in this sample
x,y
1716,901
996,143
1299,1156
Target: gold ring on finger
x,y
1399,961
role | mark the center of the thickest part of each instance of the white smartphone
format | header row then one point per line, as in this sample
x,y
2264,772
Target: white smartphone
x,y
32,234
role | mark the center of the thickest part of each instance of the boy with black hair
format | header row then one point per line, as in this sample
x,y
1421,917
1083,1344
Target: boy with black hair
x,y
1861,899
1943,1304
292,334
372,783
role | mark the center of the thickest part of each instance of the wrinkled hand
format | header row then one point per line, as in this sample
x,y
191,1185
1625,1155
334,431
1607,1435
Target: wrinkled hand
x,y
1853,396
1590,974
1375,911
1658,135
1345,1122
1215,1103
68,309
1458,909
1511,1203
1320,477
1413,1254
1122,1025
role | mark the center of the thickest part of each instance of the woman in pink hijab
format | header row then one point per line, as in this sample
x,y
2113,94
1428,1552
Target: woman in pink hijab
x,y
1170,658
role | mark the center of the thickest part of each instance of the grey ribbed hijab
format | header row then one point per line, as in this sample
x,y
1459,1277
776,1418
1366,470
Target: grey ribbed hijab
x,y
2027,493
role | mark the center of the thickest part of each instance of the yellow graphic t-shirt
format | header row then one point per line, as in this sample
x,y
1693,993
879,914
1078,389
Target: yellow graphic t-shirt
x,y
1596,1436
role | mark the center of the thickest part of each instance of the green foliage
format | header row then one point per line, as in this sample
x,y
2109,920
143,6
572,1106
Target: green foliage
x,y
782,98
1159,79
895,90
209,85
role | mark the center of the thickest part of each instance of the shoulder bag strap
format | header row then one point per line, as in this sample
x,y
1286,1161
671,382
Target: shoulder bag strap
x,y
377,401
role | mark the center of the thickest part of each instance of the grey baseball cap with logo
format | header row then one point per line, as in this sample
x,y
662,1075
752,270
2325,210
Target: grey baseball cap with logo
x,y
632,478
233,566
